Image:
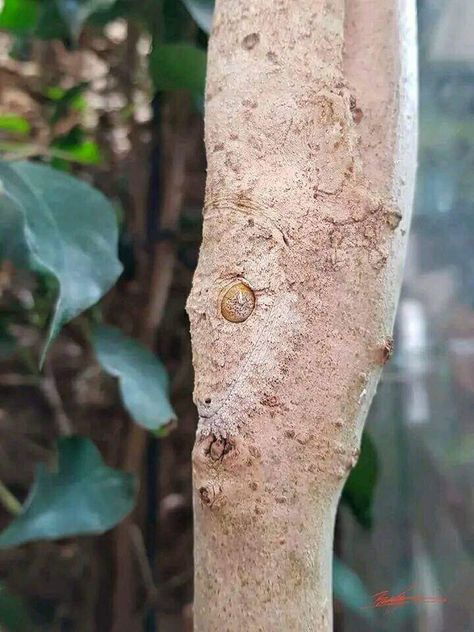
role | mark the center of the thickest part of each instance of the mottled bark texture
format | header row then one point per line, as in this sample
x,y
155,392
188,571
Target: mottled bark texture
x,y
311,142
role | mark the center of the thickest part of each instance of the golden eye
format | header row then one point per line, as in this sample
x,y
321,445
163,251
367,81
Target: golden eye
x,y
237,302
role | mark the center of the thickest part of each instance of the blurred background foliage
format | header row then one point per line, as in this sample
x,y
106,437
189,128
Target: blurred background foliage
x,y
110,93
107,95
421,422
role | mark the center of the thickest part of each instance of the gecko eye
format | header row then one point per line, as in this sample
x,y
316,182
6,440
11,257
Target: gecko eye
x,y
237,302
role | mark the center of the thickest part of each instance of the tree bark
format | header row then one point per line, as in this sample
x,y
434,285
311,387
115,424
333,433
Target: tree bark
x,y
311,143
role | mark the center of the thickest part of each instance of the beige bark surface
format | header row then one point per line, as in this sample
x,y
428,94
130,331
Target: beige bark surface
x,y
310,137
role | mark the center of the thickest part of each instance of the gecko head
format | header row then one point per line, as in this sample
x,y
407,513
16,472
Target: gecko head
x,y
231,350
233,309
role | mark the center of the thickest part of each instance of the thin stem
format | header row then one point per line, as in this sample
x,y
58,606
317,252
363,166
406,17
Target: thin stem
x,y
50,391
8,500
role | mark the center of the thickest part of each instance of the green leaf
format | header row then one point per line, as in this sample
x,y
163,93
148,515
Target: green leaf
x,y
76,12
202,12
70,231
64,101
118,9
178,67
349,589
359,489
142,379
82,496
50,23
64,19
8,344
14,124
174,22
77,147
14,615
86,153
19,16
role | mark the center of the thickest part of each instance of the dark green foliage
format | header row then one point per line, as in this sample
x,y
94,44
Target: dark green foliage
x,y
50,24
62,101
7,342
14,124
178,67
360,486
13,613
76,12
19,16
77,147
